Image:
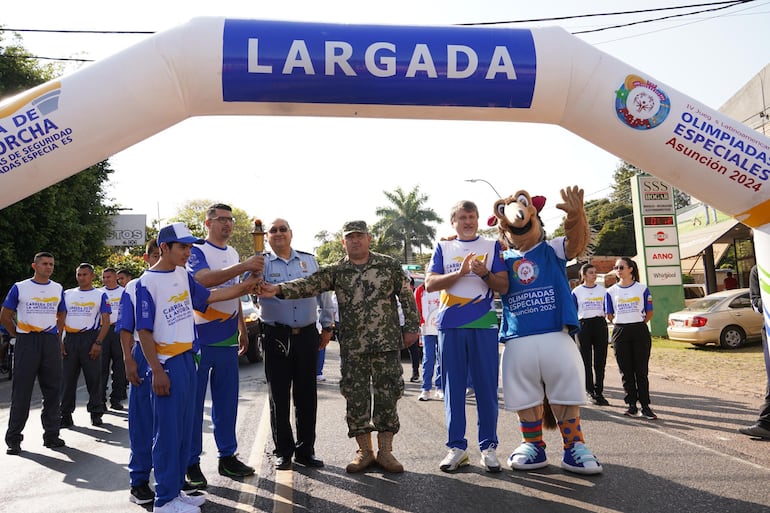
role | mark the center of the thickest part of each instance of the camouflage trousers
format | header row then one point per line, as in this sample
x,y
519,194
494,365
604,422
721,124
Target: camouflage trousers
x,y
372,384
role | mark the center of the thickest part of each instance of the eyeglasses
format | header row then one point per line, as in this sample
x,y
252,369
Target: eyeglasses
x,y
282,229
224,219
619,267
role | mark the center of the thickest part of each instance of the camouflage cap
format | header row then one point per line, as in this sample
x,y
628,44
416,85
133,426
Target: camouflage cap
x,y
354,227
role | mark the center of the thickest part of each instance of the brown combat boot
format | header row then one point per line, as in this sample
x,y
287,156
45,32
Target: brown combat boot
x,y
385,454
364,455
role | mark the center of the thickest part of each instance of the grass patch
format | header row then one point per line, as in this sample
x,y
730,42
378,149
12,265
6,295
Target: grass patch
x,y
736,369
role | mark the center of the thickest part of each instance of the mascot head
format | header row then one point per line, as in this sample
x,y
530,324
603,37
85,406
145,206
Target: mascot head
x,y
518,220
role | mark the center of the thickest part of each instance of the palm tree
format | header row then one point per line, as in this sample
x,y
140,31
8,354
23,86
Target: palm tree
x,y
405,220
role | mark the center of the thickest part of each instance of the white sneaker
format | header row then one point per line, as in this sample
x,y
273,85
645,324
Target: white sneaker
x,y
320,377
454,459
440,394
424,396
489,460
176,506
195,500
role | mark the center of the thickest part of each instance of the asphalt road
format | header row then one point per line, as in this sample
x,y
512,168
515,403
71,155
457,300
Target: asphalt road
x,y
691,459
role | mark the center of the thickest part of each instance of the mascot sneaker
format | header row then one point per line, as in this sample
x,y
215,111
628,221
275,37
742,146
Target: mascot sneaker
x,y
580,459
528,456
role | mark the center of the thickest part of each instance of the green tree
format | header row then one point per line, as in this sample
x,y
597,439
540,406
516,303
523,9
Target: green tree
x,y
193,214
621,190
18,71
406,220
331,249
70,219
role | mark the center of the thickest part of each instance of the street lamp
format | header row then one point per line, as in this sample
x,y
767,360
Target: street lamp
x,y
474,180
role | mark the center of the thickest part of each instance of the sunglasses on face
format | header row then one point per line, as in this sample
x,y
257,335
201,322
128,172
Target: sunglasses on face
x,y
282,229
619,267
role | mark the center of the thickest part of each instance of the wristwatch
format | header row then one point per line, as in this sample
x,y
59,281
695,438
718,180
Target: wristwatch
x,y
328,329
98,342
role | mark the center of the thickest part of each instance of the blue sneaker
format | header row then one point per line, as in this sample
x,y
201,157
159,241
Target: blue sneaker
x,y
580,459
528,456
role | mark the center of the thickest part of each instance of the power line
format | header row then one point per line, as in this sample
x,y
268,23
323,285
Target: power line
x,y
721,5
617,13
671,16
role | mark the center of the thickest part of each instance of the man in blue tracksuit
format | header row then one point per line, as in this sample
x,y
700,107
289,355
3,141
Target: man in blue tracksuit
x,y
222,336
468,271
139,405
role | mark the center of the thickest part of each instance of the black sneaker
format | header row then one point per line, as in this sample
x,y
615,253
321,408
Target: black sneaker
x,y
96,419
231,466
196,478
648,414
141,494
600,400
187,487
14,448
415,378
53,443
117,406
66,421
632,411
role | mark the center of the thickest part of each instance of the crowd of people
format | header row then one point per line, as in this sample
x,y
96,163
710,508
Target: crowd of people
x,y
180,322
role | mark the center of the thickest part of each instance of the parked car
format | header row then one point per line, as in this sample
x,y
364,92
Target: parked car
x,y
251,317
693,292
724,318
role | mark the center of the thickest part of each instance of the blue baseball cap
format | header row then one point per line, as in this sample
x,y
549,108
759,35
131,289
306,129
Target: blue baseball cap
x,y
177,232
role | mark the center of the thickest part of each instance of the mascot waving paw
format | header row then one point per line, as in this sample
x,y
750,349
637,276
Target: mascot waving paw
x,y
538,317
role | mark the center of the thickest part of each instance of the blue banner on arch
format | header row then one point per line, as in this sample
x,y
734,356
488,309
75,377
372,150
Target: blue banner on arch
x,y
269,61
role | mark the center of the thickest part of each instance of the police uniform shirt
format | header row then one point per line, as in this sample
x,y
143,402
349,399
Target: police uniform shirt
x,y
296,313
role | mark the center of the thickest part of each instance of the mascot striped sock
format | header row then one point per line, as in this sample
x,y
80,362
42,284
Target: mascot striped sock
x,y
532,432
571,432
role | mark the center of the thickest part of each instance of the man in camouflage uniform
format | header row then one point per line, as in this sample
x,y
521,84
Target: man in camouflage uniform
x,y
368,286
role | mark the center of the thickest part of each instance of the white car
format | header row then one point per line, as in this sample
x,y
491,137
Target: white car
x,y
724,318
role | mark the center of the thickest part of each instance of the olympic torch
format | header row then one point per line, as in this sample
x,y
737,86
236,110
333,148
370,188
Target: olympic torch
x,y
258,233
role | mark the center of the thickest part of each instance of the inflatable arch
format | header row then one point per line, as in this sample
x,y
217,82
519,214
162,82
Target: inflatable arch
x,y
218,66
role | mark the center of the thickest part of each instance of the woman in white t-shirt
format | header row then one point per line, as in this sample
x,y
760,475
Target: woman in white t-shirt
x,y
629,308
589,298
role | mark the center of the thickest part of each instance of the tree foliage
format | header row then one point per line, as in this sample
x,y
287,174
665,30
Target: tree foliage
x,y
69,219
193,214
405,221
19,72
612,219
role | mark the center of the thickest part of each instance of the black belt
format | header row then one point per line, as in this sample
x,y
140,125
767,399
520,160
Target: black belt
x,y
293,331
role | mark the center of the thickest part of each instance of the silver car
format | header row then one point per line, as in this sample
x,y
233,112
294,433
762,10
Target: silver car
x,y
724,318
